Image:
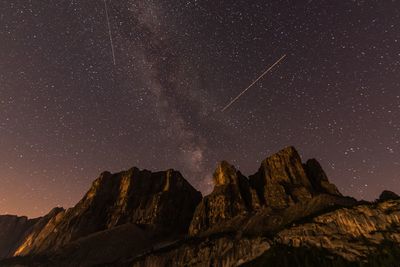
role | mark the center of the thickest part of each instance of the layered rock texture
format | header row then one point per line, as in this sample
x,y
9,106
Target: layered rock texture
x,y
12,230
285,213
282,181
350,233
161,202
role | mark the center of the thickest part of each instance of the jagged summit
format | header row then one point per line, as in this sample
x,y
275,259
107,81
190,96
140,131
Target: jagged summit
x,y
318,178
143,218
225,174
162,201
281,181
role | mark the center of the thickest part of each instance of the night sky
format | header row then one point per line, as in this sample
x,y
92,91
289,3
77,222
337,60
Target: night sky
x,y
67,112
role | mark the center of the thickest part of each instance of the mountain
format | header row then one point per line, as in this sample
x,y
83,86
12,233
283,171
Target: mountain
x,y
13,229
281,182
287,213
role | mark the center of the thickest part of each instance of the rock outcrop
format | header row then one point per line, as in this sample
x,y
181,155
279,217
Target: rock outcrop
x,y
346,235
37,235
231,196
318,178
388,195
352,233
161,202
12,230
281,181
221,251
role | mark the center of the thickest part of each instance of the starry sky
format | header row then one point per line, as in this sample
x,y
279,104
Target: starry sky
x,y
67,112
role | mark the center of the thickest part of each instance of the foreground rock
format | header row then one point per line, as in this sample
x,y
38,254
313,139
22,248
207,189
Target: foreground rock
x,y
345,237
218,251
350,233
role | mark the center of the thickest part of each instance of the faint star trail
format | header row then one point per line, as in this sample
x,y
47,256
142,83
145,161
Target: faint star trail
x,y
109,32
253,83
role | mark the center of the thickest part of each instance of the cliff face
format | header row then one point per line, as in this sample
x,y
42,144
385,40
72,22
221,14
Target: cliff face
x,y
141,218
231,196
37,235
17,233
347,236
13,229
162,202
281,181
318,178
350,233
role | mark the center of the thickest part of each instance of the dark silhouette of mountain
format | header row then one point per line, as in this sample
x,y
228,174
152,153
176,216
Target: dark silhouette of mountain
x,y
286,213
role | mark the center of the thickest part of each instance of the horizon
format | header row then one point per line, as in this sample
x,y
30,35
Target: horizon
x,y
210,189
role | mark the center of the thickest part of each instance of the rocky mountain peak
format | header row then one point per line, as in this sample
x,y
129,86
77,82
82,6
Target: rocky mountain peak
x,y
388,195
141,218
284,179
13,229
319,179
161,201
281,181
225,174
231,196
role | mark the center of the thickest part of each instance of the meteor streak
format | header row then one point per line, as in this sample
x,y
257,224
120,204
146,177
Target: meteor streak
x,y
253,83
109,31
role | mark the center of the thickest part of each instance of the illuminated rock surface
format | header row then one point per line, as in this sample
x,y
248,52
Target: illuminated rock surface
x,y
285,213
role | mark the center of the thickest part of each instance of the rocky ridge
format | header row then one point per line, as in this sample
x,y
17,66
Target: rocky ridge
x,y
13,229
350,233
161,202
143,218
281,182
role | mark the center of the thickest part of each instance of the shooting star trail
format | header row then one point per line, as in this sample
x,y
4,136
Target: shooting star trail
x,y
109,32
253,83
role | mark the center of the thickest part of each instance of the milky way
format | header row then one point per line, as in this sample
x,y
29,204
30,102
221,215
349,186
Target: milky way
x,y
67,112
